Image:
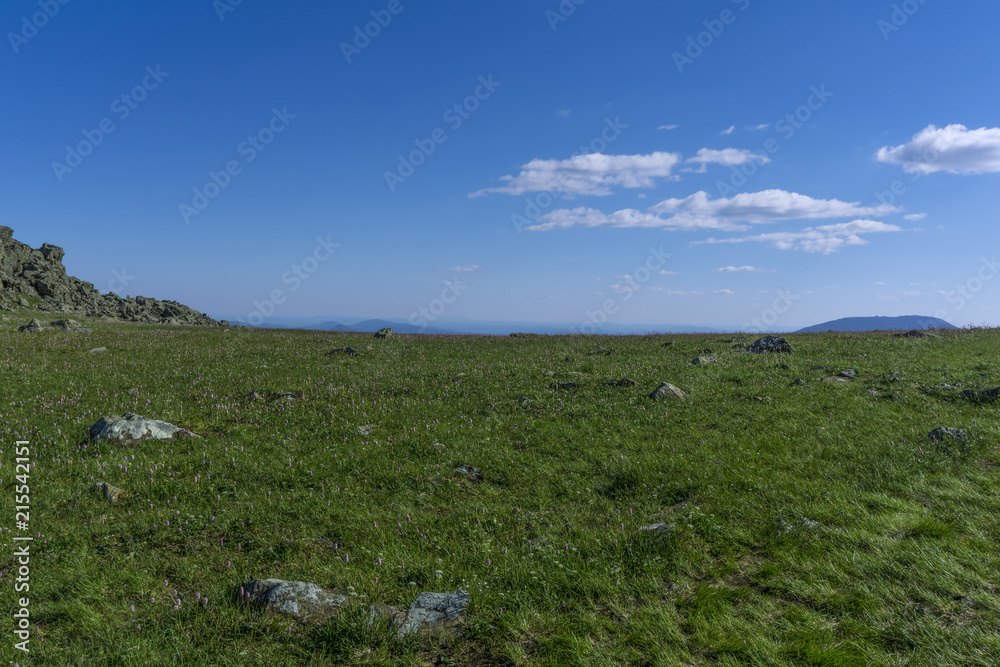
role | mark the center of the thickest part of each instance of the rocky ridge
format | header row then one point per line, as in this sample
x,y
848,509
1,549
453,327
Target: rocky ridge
x,y
36,278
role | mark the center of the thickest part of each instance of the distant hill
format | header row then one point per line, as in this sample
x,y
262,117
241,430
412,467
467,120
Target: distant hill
x,y
903,322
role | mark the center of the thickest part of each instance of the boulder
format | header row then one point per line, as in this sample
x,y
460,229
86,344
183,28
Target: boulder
x,y
702,361
302,601
387,332
769,344
667,390
439,614
943,433
848,373
982,395
135,428
34,326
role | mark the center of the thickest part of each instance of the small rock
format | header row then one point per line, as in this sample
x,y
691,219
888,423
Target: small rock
x,y
657,527
835,379
524,400
624,382
915,333
770,344
702,361
366,429
848,373
97,349
797,382
439,447
872,391
470,472
255,395
66,325
565,386
942,433
669,343
387,332
345,350
667,390
284,396
548,374
298,599
112,494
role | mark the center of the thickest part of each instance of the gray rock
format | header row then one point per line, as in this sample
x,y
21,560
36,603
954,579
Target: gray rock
x,y
34,326
943,433
96,350
982,395
848,373
470,472
667,390
255,395
835,379
438,614
135,428
657,527
112,494
769,344
624,382
66,325
366,429
702,361
524,400
387,332
345,350
797,382
302,601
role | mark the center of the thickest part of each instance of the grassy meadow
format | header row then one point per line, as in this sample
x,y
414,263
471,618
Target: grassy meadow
x,y
807,524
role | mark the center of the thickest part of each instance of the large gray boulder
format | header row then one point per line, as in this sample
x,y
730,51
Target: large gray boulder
x,y
298,599
135,428
441,615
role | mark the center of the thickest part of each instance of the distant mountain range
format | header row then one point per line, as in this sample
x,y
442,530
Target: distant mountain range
x,y
502,328
903,322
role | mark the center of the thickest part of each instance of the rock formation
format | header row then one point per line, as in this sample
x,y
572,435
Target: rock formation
x,y
37,278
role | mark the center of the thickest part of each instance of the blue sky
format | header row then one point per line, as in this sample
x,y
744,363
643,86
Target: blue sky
x,y
520,160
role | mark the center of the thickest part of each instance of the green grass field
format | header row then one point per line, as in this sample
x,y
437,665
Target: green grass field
x,y
812,523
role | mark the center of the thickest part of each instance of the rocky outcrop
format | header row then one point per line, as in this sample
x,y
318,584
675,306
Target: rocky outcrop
x,y
28,275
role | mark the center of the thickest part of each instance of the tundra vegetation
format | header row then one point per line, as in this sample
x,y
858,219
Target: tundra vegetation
x,y
768,517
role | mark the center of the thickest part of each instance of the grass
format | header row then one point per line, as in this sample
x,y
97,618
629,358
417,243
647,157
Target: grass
x,y
813,524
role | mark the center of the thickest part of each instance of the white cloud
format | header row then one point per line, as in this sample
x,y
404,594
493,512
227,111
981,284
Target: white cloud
x,y
723,291
824,239
463,269
767,206
732,269
664,272
668,127
915,216
727,157
563,113
954,148
592,174
910,293
699,212
728,130
762,126
628,218
670,292
880,283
